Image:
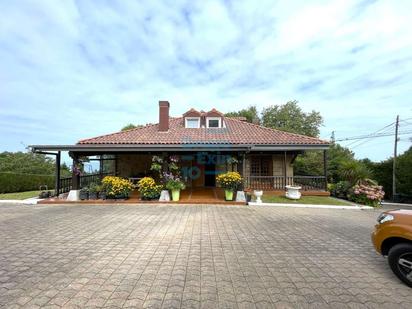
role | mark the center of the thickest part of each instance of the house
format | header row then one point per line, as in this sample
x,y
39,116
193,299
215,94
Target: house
x,y
207,143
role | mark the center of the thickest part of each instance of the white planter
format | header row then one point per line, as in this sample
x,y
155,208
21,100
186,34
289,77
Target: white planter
x,y
164,196
293,193
73,195
240,196
258,194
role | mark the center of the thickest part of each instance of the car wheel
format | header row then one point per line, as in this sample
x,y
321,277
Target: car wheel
x,y
400,261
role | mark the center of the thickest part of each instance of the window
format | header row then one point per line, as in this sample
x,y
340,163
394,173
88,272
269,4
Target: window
x,y
192,122
260,166
214,122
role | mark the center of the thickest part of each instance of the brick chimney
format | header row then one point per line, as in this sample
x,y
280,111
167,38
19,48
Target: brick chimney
x,y
164,116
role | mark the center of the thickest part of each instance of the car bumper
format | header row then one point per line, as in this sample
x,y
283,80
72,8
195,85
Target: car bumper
x,y
375,241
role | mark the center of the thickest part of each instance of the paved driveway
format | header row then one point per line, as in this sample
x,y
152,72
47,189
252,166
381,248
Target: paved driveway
x,y
192,256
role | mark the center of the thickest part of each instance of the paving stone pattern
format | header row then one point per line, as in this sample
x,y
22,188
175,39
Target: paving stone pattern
x,y
192,257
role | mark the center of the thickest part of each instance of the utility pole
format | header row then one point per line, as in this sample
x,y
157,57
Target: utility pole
x,y
395,150
332,137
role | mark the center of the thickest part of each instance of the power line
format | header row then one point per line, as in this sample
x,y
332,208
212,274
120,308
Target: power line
x,y
366,135
373,136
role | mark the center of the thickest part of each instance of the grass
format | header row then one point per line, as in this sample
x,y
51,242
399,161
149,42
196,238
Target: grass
x,y
19,195
316,200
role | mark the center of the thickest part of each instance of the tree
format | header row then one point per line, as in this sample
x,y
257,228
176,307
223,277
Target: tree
x,y
404,173
311,163
130,126
290,117
26,162
382,172
353,171
251,114
29,163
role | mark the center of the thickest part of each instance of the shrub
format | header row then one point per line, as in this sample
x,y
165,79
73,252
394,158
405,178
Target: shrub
x,y
366,192
117,186
340,189
148,189
229,181
354,171
94,188
16,182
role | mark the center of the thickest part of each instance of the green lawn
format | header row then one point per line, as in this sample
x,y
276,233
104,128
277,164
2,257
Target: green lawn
x,y
317,200
19,195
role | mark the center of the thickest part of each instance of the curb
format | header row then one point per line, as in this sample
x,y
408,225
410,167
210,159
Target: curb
x,y
355,207
29,201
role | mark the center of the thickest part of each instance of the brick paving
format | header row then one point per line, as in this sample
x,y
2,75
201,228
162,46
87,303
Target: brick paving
x,y
192,256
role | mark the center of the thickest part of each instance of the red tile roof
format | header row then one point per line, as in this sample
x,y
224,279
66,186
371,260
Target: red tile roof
x,y
236,132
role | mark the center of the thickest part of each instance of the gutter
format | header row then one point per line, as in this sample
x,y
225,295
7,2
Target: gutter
x,y
177,148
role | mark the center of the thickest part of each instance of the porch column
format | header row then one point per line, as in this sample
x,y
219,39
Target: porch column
x,y
57,174
284,171
101,167
75,177
241,168
164,164
325,168
115,164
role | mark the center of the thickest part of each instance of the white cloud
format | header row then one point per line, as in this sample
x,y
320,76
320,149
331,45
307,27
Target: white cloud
x,y
78,69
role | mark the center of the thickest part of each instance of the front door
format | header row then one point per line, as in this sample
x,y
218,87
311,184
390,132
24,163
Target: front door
x,y
210,175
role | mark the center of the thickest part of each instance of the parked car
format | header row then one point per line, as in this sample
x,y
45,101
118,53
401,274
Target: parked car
x,y
392,237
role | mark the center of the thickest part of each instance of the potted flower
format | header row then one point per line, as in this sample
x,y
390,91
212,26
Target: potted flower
x,y
117,187
157,163
102,192
229,181
93,190
174,184
84,193
148,189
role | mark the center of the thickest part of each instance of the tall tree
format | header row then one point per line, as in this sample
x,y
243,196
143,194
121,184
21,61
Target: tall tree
x,y
311,163
251,114
29,163
131,126
382,172
290,117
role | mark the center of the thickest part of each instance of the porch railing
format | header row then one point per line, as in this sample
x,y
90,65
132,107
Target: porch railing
x,y
85,180
65,185
268,183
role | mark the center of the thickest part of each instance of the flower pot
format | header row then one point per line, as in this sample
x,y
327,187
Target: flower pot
x,y
84,195
229,195
92,195
175,195
102,195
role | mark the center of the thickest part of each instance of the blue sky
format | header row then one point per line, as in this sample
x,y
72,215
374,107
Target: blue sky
x,y
76,69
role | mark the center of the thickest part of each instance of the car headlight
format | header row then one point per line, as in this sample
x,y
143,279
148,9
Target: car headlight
x,y
383,217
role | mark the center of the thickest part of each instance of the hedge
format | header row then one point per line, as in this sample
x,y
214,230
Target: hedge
x,y
15,182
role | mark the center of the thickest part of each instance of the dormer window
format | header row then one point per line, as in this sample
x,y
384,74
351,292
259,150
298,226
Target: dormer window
x,y
213,122
192,122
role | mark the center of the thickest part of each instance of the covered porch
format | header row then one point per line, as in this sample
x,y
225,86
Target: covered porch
x,y
270,171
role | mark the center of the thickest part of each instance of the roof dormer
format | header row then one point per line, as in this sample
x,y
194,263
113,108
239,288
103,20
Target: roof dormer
x,y
192,119
211,119
214,119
